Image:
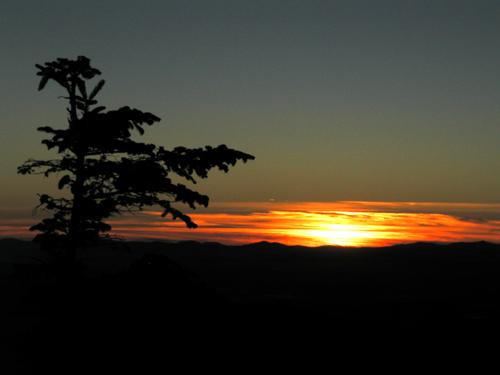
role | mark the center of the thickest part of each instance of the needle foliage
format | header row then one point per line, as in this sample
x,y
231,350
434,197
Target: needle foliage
x,y
106,171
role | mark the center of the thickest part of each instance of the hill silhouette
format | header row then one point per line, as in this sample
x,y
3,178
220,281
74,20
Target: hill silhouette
x,y
187,293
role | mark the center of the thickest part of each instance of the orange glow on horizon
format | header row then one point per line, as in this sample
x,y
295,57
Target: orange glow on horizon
x,y
317,224
312,223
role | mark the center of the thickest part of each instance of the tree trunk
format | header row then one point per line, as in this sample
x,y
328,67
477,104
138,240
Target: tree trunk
x,y
75,225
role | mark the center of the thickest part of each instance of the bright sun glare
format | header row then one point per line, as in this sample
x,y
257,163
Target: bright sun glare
x,y
315,224
340,234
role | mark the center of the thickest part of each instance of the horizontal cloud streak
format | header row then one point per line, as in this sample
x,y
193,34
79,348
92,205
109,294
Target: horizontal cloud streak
x,y
331,223
311,223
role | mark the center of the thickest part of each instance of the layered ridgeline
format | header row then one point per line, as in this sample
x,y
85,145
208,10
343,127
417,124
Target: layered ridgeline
x,y
412,280
136,302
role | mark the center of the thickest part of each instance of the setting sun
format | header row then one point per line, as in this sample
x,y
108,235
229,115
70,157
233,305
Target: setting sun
x,y
345,223
316,224
340,234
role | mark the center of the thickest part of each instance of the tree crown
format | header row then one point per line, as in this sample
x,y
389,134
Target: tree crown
x,y
104,169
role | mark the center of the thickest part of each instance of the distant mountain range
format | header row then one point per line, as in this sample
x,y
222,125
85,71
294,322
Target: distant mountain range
x,y
145,292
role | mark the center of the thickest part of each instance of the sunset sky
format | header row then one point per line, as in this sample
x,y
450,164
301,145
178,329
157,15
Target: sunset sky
x,y
340,101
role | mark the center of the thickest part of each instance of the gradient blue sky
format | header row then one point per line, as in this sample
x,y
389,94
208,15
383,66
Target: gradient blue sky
x,y
338,100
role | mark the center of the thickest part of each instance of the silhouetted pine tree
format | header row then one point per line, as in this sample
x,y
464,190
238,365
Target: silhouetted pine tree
x,y
106,171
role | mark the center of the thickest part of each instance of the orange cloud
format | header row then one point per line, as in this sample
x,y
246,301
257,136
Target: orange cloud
x,y
338,223
312,223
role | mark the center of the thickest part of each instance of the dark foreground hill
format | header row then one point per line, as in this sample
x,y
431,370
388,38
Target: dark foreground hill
x,y
129,295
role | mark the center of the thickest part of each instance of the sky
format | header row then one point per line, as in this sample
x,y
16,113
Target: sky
x,y
347,223
338,100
